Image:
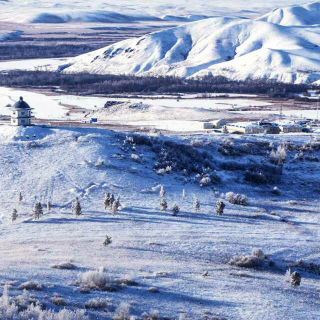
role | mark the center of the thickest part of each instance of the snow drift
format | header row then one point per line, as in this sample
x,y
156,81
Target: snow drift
x,y
235,48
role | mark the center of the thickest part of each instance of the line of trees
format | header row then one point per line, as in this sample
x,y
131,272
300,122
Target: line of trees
x,y
10,52
84,83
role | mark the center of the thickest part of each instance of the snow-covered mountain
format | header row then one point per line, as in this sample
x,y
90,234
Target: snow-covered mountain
x,y
235,48
101,11
302,15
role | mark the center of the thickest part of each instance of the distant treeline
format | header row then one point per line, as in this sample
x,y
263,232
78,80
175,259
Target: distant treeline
x,y
84,83
10,52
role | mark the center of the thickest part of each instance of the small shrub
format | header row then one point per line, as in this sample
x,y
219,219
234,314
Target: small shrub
x,y
122,312
100,162
258,253
94,279
58,301
97,303
30,285
135,158
275,191
205,181
246,261
235,198
64,266
153,290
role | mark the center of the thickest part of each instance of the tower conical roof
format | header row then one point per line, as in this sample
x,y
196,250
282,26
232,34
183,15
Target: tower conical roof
x,y
21,104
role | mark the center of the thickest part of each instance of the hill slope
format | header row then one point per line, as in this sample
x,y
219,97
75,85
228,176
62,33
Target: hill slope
x,y
302,15
150,246
235,48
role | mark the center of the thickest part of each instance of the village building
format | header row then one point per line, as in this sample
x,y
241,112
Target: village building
x,y
218,124
290,127
269,127
21,113
245,128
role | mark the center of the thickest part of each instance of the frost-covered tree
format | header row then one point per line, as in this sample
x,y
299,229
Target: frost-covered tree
x,y
114,208
279,156
14,215
162,192
175,209
295,279
37,211
112,200
76,207
163,204
106,200
196,204
48,206
220,207
183,194
20,198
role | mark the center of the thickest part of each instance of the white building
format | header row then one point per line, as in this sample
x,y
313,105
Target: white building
x,y
21,114
245,127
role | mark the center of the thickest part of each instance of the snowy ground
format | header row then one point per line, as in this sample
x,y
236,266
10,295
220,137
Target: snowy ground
x,y
30,64
59,164
57,106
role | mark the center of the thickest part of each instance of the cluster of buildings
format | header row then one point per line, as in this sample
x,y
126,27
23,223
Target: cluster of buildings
x,y
262,127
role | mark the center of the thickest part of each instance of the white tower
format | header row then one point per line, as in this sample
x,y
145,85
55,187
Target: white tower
x,y
21,114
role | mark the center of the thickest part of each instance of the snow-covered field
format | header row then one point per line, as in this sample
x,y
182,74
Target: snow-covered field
x,y
30,64
54,107
186,256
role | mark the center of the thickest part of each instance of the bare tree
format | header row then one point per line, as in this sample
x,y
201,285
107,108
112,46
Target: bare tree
x,y
76,207
37,211
106,200
196,204
162,192
107,241
48,206
14,215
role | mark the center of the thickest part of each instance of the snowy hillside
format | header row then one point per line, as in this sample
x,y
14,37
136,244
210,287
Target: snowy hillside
x,y
302,15
235,48
183,258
